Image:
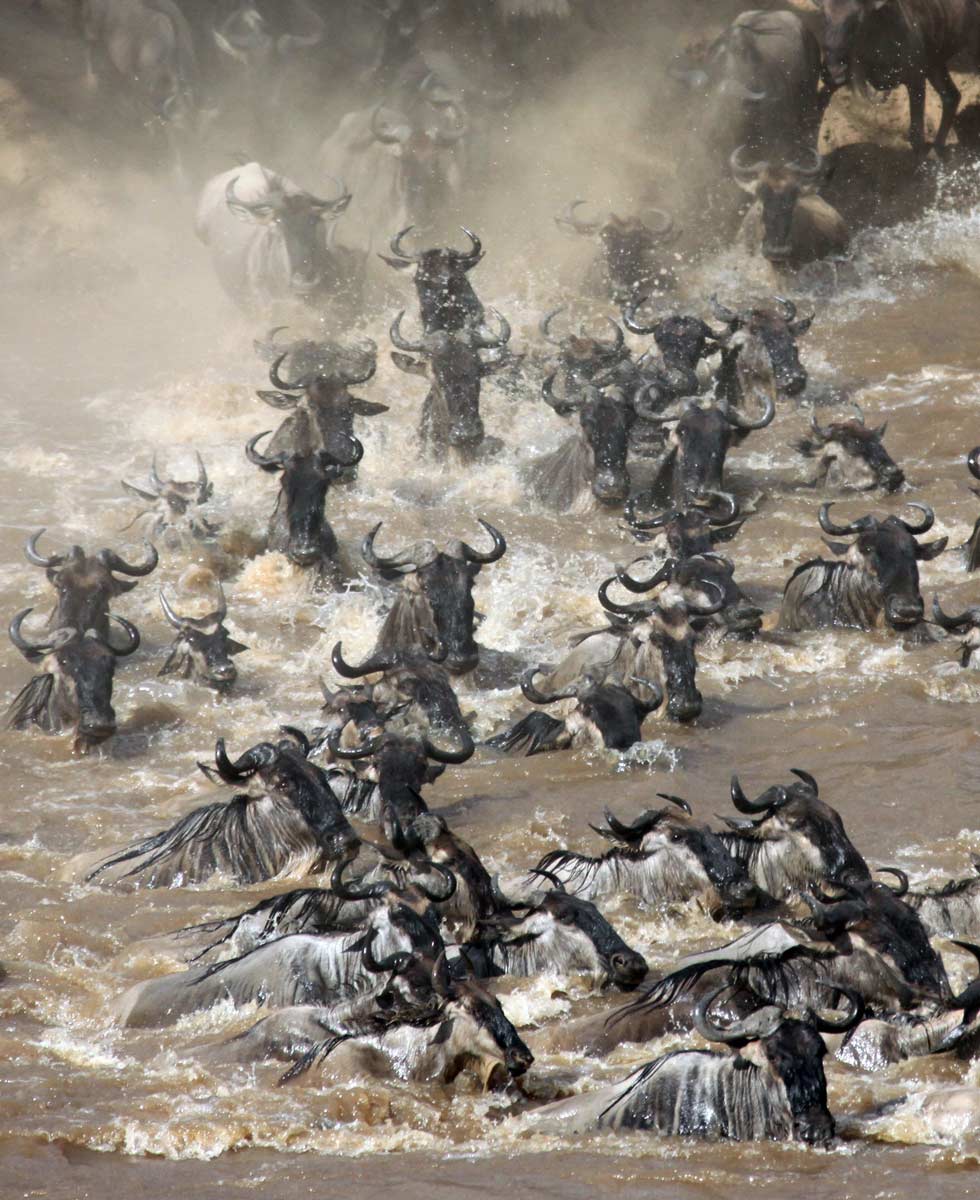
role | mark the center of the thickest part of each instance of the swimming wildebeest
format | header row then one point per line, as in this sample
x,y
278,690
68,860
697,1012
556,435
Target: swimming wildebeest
x,y
86,584
885,44
298,526
788,223
434,607
289,822
772,1085
700,577
451,360
663,857
74,687
629,263
268,240
966,625
851,455
203,648
447,301
876,583
176,502
760,356
972,546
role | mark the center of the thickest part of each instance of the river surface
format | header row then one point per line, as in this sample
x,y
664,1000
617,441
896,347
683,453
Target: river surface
x,y
100,370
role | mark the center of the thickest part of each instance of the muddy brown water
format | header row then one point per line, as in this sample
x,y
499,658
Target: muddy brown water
x,y
99,373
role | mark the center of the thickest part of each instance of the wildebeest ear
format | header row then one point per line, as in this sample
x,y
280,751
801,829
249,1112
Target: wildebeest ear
x,y
880,431
278,399
799,328
931,550
837,547
233,647
398,263
367,408
444,1032
173,660
411,365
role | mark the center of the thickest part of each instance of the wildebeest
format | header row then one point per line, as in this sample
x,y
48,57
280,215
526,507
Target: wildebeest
x,y
86,584
297,969
972,547
760,356
247,36
950,911
885,44
418,681
434,607
268,239
74,687
788,223
683,341
759,83
288,823
606,715
447,301
851,455
695,530
149,44
795,839
298,526
629,263
663,857
318,401
404,157
966,625
203,648
771,1087
176,502
878,581
450,417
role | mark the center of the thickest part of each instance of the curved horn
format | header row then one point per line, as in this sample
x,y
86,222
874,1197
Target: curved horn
x,y
724,515
807,778
438,754
620,339
568,218
743,170
656,691
365,750
839,913
927,522
947,622
745,805
631,833
396,962
707,610
903,880
666,222
551,877
822,434
475,252
734,417
396,246
629,317
562,406
400,562
973,462
356,454
544,328
761,1023
678,800
808,172
260,460
132,638
276,379
536,696
395,333
503,336
788,307
204,487
612,606
851,1018
638,586
112,560
262,755
32,554
656,522
233,201
451,883
352,891
497,552
829,526
31,651
376,662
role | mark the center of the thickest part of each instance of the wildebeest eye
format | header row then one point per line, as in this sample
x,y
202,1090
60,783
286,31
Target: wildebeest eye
x,y
567,917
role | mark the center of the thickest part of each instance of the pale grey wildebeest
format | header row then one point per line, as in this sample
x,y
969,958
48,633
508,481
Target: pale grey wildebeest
x,y
271,241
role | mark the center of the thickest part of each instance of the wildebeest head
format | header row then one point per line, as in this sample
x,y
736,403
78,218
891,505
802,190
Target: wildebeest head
x,y
765,329
887,555
413,678
628,248
176,500
606,418
683,857
777,187
789,1044
74,688
607,712
966,625
477,1023
447,301
658,642
844,21
86,584
297,218
299,528
203,646
435,609
682,341
857,450
557,931
795,839
283,768
581,357
696,529
452,360
245,35
972,546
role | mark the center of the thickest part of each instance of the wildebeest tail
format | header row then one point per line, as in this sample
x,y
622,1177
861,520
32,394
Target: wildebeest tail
x,y
200,823
532,734
29,705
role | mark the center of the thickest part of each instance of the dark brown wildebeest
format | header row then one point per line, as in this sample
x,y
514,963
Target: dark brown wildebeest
x,y
972,546
885,44
628,264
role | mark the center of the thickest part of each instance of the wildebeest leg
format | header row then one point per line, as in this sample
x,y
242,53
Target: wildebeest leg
x,y
949,94
917,113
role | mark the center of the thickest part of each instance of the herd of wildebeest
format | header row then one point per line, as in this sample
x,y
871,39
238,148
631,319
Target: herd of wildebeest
x,y
379,964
